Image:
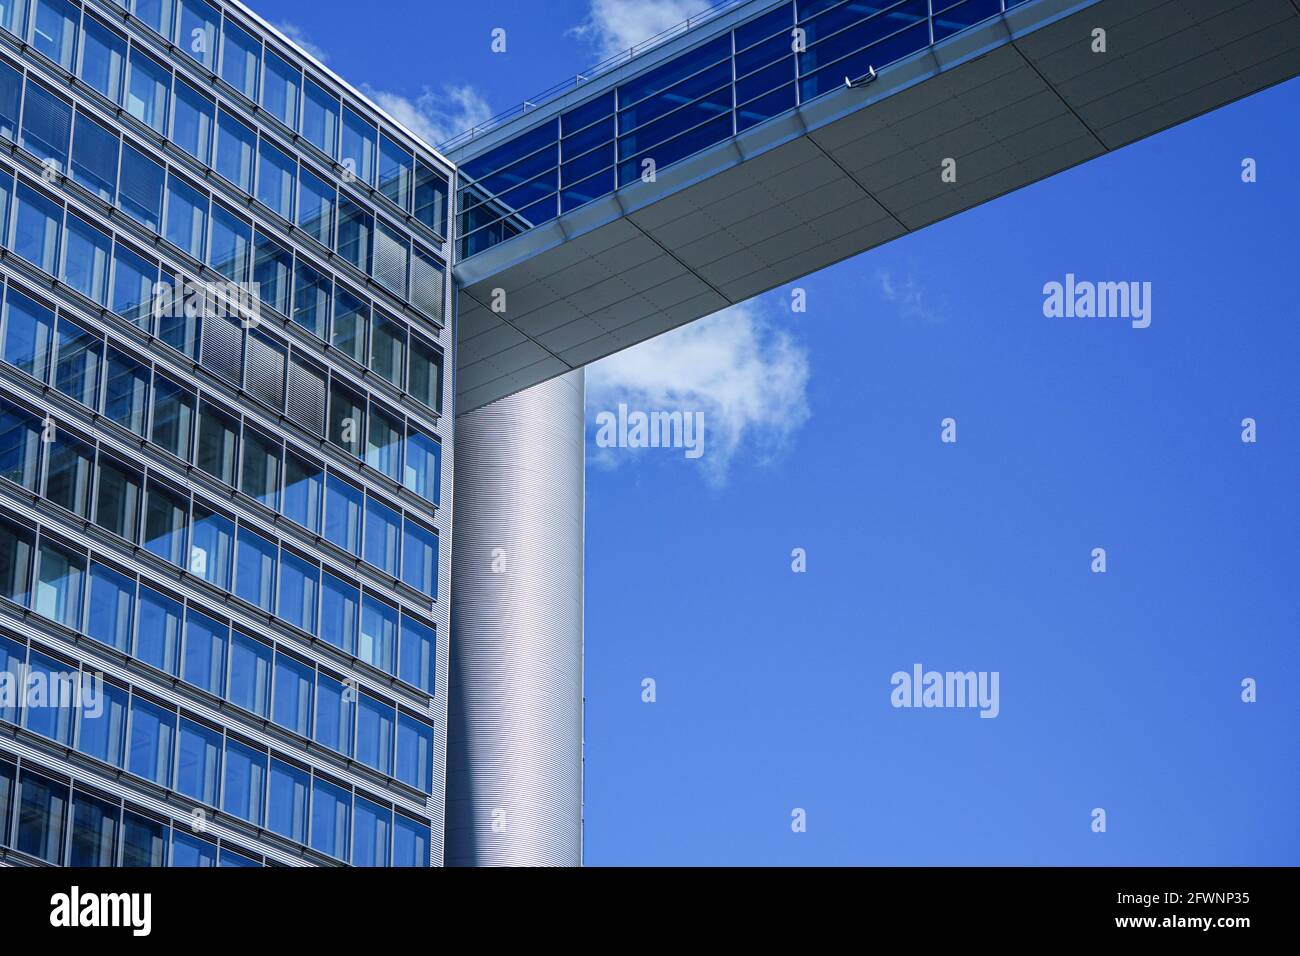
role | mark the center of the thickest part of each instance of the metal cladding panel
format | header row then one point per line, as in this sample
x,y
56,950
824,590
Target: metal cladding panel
x,y
514,773
1013,100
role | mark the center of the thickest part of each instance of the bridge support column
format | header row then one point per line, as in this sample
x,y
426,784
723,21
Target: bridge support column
x,y
514,733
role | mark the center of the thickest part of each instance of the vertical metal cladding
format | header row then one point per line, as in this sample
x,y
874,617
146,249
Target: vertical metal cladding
x,y
514,733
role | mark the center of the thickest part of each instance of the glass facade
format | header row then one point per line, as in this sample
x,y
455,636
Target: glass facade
x,y
224,295
759,69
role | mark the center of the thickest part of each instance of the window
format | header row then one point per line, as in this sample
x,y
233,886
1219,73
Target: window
x,y
304,485
426,285
338,612
70,473
86,256
28,330
392,256
287,813
383,536
153,729
272,272
410,842
230,858
374,830
13,657
187,217
347,418
388,350
53,716
223,348
351,325
212,545
94,157
378,643
415,753
426,374
42,812
17,547
60,584
384,443
94,832
241,56
103,58
250,674
375,721
232,240
218,443
245,782
11,93
420,558
396,168
423,473
293,692
76,372
281,84
101,729
47,125
144,841
356,227
311,300
255,574
299,584
54,30
276,172
198,774
343,504
316,208
331,808
133,282
146,95
320,117
431,198
193,121
261,468
178,327
141,191
166,518
265,372
418,652
334,715
117,499
21,435
236,146
358,152
156,14
190,851
173,417
126,391
305,398
205,652
158,635
197,36
112,606
36,229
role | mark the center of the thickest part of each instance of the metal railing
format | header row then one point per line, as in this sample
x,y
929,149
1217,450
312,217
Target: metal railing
x,y
578,79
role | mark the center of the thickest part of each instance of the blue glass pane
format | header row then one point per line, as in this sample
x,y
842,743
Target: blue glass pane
x,y
94,158
112,604
383,536
765,107
877,28
373,834
250,674
338,612
860,63
331,810
294,682
760,28
299,584
963,15
50,693
676,69
420,558
158,636
190,851
410,842
665,154
378,642
198,773
287,811
205,652
152,731
255,569
415,753
375,721
101,727
418,654
245,782
335,714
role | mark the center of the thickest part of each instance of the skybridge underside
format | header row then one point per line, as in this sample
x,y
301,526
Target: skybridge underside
x,y
1013,101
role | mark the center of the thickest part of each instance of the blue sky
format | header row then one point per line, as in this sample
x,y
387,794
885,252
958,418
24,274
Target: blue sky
x,y
1118,690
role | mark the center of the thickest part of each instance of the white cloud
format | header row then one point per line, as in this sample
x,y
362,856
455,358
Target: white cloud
x,y
298,36
613,26
435,117
907,294
746,374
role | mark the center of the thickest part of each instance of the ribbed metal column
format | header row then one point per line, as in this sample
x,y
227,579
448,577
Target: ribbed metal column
x,y
514,725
